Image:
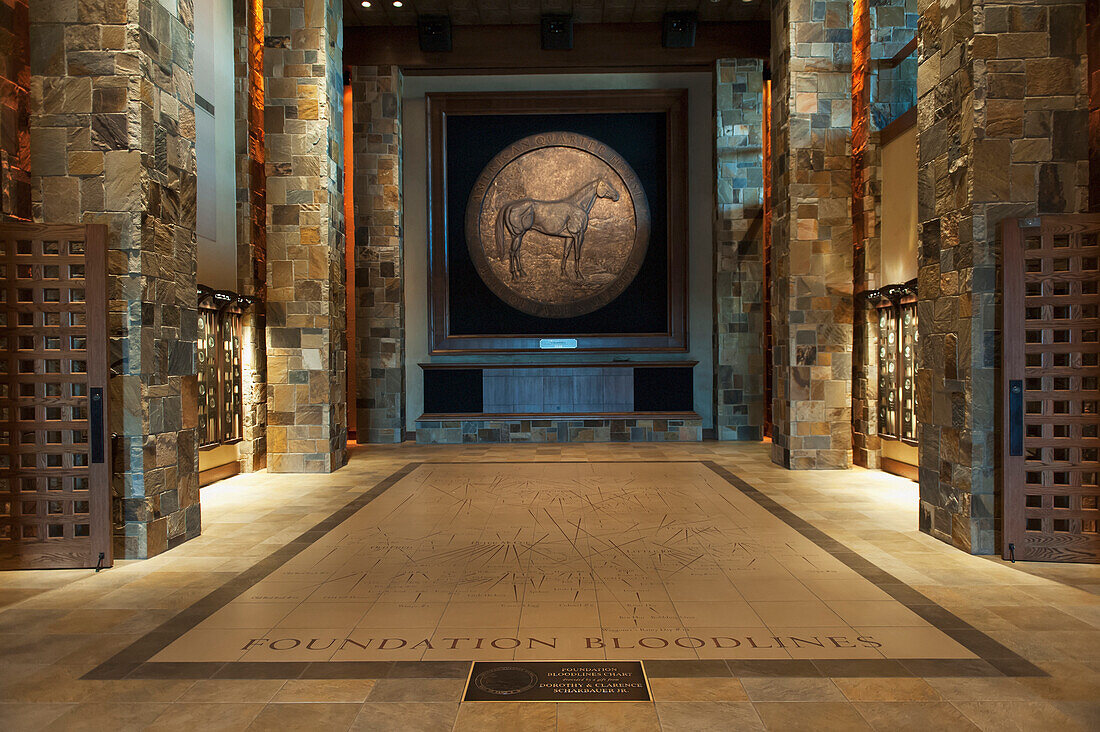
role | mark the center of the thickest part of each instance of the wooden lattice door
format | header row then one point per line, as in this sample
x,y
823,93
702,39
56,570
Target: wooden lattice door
x,y
54,461
1050,421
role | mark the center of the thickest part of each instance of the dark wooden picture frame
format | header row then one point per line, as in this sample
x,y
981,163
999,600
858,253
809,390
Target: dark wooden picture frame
x,y
672,103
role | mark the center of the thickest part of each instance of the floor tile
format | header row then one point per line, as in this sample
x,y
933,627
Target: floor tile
x,y
708,716
780,689
324,690
232,690
887,690
533,716
192,717
406,717
30,717
597,717
696,689
889,716
1017,715
105,715
423,690
811,716
305,717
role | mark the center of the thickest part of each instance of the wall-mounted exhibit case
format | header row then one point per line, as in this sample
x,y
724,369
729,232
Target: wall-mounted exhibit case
x,y
220,382
896,369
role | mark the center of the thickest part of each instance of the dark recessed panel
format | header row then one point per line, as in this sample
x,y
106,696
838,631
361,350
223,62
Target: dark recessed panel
x,y
663,389
453,391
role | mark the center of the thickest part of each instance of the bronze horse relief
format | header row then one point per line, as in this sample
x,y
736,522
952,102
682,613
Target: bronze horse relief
x,y
566,218
549,190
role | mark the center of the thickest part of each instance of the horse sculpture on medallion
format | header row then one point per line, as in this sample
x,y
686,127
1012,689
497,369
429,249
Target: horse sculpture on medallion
x,y
545,200
567,218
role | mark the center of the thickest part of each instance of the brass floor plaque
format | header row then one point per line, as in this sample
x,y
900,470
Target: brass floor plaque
x,y
557,681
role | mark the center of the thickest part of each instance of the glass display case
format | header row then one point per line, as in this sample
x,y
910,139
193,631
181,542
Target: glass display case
x,y
897,361
220,379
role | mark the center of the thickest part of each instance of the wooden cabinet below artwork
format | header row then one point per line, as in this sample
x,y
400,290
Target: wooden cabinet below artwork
x,y
579,389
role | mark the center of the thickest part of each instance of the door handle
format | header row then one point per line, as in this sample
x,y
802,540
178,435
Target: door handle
x,y
96,419
1016,417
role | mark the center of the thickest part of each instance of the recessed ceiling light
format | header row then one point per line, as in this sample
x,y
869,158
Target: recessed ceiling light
x,y
397,3
365,3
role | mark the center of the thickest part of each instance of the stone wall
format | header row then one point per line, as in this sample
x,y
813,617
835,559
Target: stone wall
x,y
307,427
865,242
1002,131
1092,8
893,89
811,234
379,295
248,88
887,93
112,142
15,86
457,432
738,251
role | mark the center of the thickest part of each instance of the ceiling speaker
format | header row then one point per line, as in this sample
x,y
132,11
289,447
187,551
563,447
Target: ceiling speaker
x,y
434,32
557,32
678,30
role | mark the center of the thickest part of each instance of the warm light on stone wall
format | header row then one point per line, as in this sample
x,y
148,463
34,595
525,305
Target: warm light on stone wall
x,y
113,142
248,31
15,82
811,236
1002,131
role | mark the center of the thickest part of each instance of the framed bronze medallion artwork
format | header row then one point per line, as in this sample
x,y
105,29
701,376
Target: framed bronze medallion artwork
x,y
558,220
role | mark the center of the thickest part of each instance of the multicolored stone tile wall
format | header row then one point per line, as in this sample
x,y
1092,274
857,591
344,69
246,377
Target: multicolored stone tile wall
x,y
457,432
1092,8
890,93
248,50
15,83
113,142
379,293
812,234
738,251
779,208
865,253
1002,131
307,427
893,90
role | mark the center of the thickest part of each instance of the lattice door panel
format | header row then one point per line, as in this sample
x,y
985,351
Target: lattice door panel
x,y
1051,444
54,469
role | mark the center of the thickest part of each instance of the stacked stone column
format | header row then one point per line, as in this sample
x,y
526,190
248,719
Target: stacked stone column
x,y
887,93
248,50
739,251
112,136
307,426
811,235
15,82
1002,131
379,296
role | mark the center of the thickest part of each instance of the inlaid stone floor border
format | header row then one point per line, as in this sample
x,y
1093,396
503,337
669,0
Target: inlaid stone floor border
x,y
993,659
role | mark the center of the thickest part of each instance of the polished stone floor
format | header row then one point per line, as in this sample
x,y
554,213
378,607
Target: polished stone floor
x,y
757,598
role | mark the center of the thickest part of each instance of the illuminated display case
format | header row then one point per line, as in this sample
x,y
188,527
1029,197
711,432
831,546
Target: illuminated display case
x,y
897,357
219,366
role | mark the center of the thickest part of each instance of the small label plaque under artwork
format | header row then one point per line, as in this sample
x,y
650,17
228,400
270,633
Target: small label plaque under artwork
x,y
557,681
558,343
